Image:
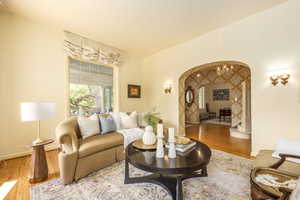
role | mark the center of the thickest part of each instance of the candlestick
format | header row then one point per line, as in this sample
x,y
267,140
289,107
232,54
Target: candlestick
x,y
172,150
171,135
160,130
160,147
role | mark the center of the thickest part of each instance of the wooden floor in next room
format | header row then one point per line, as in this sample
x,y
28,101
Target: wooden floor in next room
x,y
218,137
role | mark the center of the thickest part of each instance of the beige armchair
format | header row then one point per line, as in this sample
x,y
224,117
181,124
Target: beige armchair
x,y
78,157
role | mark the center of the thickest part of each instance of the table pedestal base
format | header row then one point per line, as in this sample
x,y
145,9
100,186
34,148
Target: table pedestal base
x,y
171,183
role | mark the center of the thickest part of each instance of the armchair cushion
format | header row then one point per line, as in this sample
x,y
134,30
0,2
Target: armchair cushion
x,y
264,159
99,143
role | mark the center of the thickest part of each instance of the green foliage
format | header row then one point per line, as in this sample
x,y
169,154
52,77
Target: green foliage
x,y
152,118
80,97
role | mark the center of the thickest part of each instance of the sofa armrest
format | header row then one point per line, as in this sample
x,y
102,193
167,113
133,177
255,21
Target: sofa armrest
x,y
66,138
282,159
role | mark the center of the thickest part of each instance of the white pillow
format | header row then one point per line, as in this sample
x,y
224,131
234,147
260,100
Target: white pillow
x,y
128,121
287,147
117,119
88,126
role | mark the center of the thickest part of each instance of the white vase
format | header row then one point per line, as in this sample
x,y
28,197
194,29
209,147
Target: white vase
x,y
149,137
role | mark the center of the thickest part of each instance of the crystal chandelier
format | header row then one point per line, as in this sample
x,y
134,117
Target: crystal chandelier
x,y
224,69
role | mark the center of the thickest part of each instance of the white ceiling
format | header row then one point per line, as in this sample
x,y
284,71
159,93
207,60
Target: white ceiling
x,y
138,26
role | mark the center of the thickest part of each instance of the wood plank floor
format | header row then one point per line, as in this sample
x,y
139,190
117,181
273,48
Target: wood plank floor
x,y
18,169
218,137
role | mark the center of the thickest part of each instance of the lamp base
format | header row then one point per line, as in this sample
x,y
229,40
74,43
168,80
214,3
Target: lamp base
x,y
37,141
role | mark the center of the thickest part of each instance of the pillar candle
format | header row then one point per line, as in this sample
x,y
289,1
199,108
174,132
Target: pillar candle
x,y
160,130
171,134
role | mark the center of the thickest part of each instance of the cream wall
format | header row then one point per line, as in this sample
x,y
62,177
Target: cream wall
x,y
265,41
33,68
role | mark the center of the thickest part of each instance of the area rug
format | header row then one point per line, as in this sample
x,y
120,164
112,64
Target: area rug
x,y
216,121
228,179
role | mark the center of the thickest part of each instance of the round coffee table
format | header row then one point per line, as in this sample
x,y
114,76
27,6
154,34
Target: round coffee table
x,y
168,173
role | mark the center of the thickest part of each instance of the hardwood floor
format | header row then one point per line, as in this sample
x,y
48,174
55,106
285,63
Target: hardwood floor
x,y
218,137
18,169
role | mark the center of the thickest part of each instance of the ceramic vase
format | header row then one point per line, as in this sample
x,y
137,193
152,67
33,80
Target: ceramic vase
x,y
149,137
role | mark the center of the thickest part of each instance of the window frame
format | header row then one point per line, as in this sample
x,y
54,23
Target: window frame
x,y
115,90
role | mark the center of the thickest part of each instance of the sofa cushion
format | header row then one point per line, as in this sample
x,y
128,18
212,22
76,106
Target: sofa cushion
x,y
99,143
264,159
107,124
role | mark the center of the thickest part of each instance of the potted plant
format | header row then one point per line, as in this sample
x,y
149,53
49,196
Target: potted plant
x,y
152,119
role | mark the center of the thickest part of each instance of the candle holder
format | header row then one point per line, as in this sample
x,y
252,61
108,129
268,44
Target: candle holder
x,y
172,150
160,147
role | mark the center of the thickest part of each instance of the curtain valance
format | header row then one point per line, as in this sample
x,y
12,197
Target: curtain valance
x,y
80,47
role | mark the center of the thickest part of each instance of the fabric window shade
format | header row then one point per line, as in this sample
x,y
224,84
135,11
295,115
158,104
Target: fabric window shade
x,y
202,97
90,74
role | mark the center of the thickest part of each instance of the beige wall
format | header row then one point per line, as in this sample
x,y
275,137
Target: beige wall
x,y
265,41
33,68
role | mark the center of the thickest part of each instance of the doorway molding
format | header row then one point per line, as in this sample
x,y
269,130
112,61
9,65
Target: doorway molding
x,y
186,74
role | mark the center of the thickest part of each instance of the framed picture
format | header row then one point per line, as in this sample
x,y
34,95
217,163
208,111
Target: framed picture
x,y
221,95
134,91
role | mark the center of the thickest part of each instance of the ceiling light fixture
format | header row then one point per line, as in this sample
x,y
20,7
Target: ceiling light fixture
x,y
224,69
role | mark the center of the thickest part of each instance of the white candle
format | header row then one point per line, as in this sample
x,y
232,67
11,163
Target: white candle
x,y
160,130
171,134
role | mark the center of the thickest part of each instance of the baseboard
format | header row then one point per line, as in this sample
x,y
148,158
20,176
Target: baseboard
x,y
26,153
253,154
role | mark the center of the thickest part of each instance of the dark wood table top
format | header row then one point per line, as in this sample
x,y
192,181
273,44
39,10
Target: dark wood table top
x,y
187,163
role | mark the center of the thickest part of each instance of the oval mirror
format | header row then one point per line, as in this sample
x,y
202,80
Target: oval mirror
x,y
189,96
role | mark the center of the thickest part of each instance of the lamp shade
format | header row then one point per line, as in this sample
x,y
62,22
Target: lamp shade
x,y
33,111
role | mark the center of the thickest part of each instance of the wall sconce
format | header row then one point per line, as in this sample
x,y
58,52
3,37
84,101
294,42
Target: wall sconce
x,y
283,78
168,88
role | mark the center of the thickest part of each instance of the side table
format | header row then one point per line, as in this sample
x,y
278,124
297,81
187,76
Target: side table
x,y
39,167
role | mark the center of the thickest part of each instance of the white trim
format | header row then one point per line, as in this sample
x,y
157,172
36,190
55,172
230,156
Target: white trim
x,y
25,153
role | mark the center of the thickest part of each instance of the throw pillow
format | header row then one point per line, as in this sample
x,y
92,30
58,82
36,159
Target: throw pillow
x,y
128,121
107,124
88,126
296,193
117,119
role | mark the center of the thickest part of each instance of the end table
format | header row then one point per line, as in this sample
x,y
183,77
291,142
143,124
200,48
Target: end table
x,y
39,167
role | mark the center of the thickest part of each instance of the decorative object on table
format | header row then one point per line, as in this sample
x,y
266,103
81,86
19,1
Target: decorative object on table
x,y
134,91
152,118
221,95
140,145
39,166
189,96
172,150
149,137
160,143
173,171
36,111
183,144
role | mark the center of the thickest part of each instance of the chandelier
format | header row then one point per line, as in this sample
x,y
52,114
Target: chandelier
x,y
224,69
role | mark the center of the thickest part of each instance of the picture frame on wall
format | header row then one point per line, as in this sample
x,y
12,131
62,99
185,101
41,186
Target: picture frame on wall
x,y
221,95
134,91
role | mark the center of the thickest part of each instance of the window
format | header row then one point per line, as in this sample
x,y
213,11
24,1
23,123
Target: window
x,y
202,98
91,88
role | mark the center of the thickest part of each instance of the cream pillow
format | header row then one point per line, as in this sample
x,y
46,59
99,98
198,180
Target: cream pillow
x,y
117,119
128,121
88,126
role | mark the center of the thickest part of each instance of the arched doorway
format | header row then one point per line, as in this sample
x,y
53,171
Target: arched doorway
x,y
236,79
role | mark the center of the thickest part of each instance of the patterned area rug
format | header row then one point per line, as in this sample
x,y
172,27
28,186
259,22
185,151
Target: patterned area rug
x,y
216,121
228,178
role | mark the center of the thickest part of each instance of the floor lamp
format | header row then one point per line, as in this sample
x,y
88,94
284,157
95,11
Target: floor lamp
x,y
36,111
